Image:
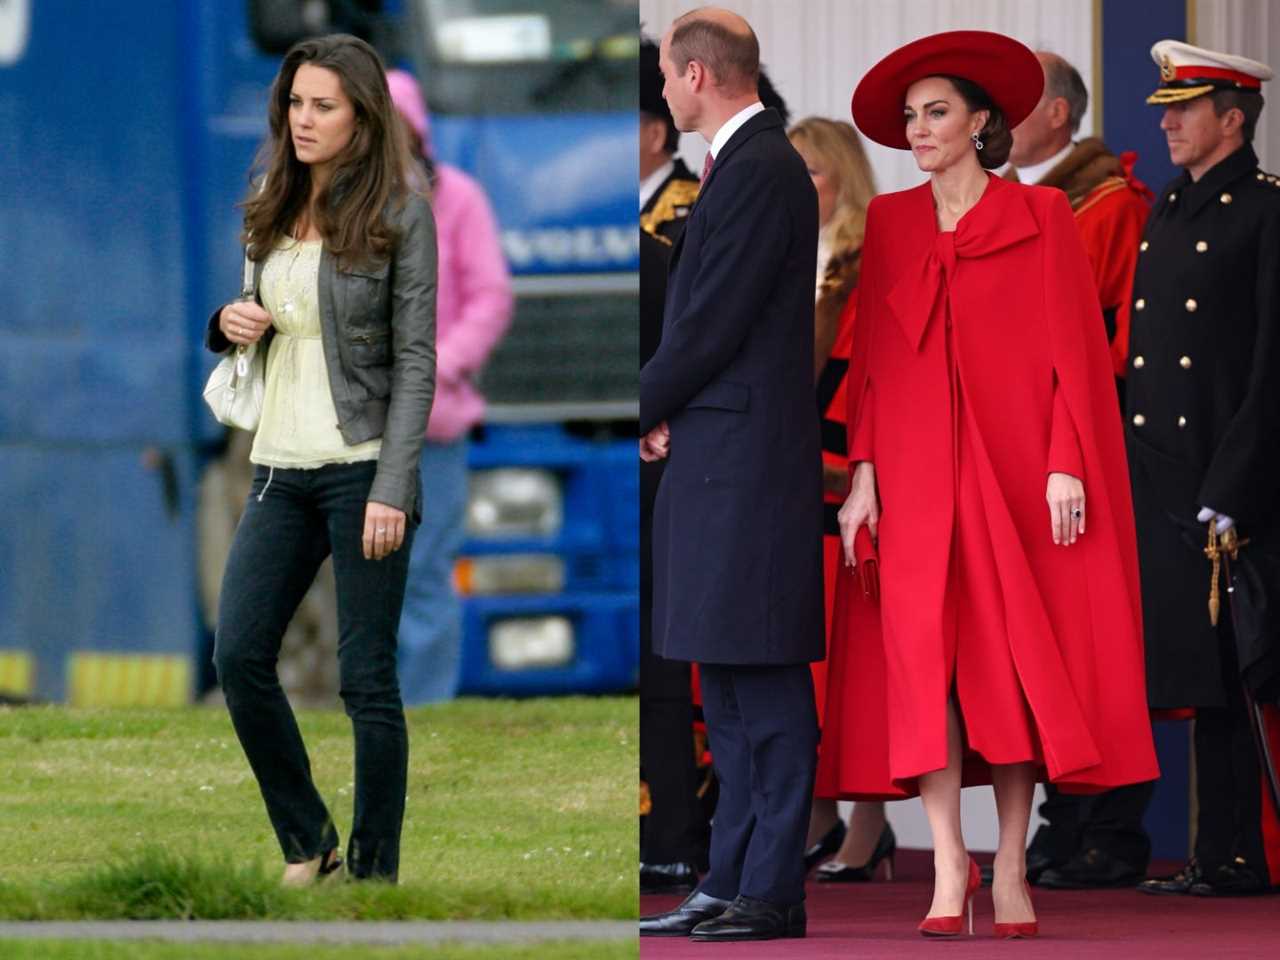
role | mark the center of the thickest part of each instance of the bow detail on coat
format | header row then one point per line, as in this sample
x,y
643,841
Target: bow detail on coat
x,y
999,220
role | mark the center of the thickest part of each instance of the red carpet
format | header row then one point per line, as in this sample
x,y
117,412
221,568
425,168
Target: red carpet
x,y
854,921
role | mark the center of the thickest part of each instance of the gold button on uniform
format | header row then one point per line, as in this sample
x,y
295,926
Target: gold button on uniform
x,y
1139,419
1182,422
1225,198
1143,245
1201,246
1263,176
1191,306
1173,197
1139,362
1140,304
1185,363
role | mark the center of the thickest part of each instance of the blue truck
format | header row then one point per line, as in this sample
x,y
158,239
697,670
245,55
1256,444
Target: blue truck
x,y
127,132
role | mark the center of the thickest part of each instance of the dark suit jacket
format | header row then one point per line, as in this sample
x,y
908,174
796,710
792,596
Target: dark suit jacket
x,y
738,520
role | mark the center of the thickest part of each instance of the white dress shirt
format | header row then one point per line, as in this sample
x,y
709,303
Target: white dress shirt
x,y
731,126
1035,172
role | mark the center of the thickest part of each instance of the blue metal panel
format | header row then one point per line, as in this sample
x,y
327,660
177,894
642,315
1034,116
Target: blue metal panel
x,y
1168,818
1129,123
93,253
1129,75
93,558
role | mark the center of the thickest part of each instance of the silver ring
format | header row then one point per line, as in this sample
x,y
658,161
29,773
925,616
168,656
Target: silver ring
x,y
382,529
1077,513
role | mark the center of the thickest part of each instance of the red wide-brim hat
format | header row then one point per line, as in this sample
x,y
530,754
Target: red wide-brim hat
x,y
1007,70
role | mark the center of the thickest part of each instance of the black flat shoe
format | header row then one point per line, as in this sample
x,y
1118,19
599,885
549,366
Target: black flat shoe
x,y
1174,884
833,871
826,846
750,919
668,878
1236,879
680,922
1092,870
330,866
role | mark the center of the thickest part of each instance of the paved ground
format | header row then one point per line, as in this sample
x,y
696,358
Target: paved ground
x,y
385,934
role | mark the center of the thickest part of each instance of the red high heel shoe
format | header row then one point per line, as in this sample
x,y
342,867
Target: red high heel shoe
x,y
1018,931
951,926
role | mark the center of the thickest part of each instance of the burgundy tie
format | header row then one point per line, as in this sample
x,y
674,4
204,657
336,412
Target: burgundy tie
x,y
706,165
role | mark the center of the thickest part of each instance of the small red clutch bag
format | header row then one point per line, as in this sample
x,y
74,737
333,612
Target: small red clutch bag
x,y
868,561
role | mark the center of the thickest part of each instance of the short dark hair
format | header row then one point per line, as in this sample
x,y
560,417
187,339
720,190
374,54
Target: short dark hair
x,y
1063,80
1246,101
997,139
770,97
732,57
672,141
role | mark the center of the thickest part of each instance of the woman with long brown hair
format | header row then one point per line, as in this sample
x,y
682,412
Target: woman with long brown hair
x,y
344,271
845,186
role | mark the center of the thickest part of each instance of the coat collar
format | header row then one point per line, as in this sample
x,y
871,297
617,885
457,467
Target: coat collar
x,y
1000,219
1210,187
766,119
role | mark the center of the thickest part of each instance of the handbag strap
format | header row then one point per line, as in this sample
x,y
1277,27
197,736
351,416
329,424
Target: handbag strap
x,y
247,292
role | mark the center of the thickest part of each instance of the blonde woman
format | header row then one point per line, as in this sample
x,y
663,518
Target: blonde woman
x,y
843,180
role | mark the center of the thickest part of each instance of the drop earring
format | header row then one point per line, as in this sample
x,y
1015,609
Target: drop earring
x,y
977,142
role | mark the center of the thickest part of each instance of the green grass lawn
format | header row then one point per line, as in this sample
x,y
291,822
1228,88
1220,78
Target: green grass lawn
x,y
517,810
96,950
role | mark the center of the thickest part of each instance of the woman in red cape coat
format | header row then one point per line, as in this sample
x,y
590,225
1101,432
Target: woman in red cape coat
x,y
1028,375
985,388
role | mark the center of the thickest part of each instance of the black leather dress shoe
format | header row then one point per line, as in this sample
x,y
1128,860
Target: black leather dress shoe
x,y
667,878
680,922
1231,880
826,846
750,919
1093,869
1174,884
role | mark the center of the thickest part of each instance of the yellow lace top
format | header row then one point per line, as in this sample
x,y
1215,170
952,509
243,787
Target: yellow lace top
x,y
299,427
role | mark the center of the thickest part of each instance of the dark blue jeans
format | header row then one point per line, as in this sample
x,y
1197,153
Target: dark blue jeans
x,y
282,539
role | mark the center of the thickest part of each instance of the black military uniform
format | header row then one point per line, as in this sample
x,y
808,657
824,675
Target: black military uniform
x,y
674,831
1203,431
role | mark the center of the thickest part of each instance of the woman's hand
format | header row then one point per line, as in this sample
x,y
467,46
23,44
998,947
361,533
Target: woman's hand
x,y
243,322
383,530
861,506
1065,495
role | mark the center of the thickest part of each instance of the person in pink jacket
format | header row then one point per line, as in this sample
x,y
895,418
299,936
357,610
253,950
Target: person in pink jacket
x,y
473,310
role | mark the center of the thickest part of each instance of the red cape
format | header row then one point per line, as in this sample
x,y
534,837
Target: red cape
x,y
1032,355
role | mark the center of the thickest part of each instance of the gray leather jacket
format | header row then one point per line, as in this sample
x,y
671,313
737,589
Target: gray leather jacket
x,y
378,327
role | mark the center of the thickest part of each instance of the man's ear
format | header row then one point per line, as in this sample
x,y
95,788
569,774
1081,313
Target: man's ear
x,y
697,75
1232,121
1059,112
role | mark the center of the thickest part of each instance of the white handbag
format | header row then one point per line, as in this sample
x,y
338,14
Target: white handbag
x,y
235,389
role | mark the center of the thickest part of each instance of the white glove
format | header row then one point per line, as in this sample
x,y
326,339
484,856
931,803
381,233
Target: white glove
x,y
1206,514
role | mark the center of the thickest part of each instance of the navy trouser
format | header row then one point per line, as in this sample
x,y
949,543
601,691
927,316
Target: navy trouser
x,y
280,543
763,728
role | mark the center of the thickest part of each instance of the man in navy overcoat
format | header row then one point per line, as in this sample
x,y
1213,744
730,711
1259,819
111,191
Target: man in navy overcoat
x,y
727,398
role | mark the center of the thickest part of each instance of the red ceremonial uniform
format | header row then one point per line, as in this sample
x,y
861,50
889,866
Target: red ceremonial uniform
x,y
1111,219
980,365
833,403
